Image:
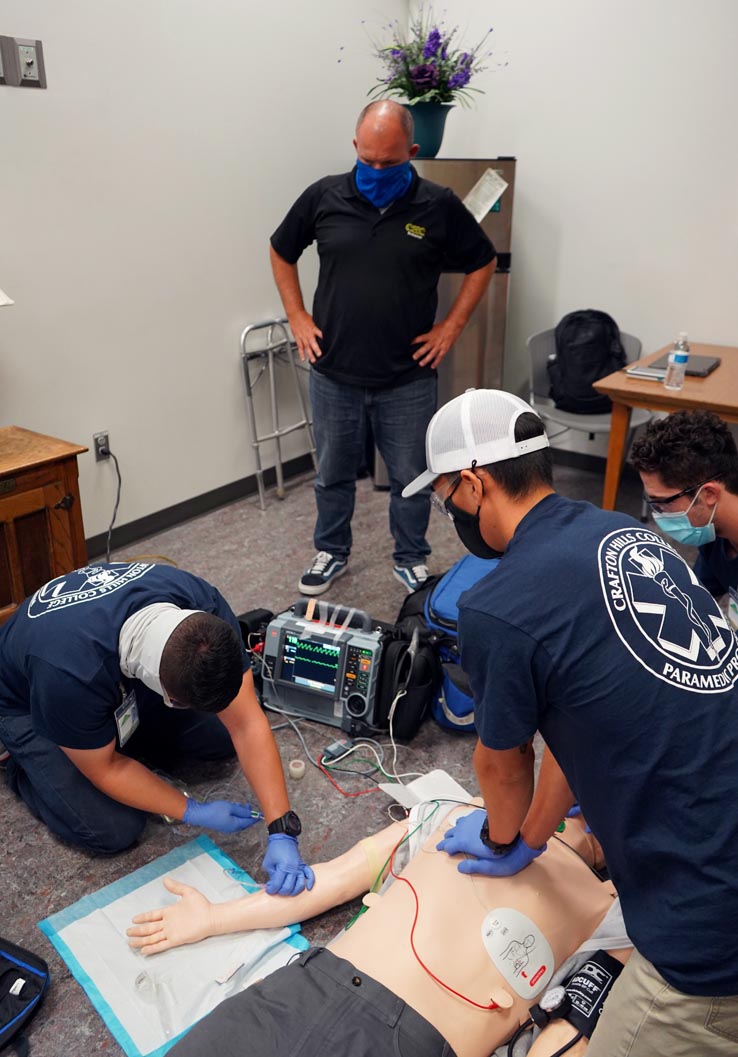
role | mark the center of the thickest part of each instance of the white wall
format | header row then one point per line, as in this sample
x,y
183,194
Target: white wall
x,y
137,195
623,117
138,192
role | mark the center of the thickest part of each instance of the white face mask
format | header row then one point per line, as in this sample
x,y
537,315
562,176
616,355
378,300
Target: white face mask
x,y
142,640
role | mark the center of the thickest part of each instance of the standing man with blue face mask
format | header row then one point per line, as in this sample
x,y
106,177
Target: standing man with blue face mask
x,y
384,237
688,464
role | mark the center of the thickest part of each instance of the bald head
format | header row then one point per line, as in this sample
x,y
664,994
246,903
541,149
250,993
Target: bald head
x,y
384,135
384,113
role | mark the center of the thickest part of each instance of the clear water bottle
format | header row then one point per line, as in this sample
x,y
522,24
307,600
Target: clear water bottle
x,y
677,365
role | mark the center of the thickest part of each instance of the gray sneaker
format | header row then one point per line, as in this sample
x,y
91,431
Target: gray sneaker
x,y
325,568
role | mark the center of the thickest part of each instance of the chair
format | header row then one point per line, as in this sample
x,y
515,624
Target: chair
x,y
543,345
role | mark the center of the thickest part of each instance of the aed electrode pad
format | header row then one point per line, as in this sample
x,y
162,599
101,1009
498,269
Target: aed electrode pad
x,y
519,951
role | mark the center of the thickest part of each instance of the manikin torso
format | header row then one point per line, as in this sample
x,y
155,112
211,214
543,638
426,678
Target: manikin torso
x,y
558,896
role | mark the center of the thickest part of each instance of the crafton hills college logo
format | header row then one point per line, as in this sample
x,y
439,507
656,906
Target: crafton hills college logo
x,y
84,585
667,620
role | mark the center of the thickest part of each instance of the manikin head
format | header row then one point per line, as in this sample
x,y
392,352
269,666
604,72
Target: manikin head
x,y
688,464
489,463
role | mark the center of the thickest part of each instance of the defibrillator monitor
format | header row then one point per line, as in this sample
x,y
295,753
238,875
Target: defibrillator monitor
x,y
326,668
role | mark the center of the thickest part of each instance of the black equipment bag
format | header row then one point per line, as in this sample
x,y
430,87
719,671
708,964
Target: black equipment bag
x,y
24,980
588,347
411,674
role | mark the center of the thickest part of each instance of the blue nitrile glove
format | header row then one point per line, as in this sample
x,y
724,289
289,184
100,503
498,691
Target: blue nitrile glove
x,y
221,815
288,874
574,812
464,838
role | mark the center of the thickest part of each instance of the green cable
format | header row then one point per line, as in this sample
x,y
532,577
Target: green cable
x,y
378,878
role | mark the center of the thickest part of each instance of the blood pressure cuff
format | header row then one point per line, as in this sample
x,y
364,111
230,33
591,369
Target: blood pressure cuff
x,y
588,990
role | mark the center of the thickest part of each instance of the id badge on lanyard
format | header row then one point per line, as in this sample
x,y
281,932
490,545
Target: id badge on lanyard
x,y
126,716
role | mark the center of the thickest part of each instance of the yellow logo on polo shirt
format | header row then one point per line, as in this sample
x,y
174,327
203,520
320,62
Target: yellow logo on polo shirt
x,y
415,231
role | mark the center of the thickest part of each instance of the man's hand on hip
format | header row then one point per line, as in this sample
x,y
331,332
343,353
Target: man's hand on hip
x,y
436,343
306,334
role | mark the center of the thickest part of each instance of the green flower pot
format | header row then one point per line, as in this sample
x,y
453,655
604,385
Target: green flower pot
x,y
430,121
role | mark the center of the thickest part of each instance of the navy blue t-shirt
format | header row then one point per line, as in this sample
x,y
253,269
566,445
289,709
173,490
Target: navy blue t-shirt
x,y
59,651
595,632
715,569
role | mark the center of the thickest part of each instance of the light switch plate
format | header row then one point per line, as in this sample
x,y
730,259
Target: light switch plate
x,y
30,63
9,73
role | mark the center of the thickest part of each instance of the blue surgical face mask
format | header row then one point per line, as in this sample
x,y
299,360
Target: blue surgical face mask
x,y
383,186
681,529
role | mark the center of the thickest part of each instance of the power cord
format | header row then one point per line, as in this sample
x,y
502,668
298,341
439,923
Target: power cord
x,y
107,452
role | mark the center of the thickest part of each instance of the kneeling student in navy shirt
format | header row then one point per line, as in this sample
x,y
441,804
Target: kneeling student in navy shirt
x,y
118,661
593,631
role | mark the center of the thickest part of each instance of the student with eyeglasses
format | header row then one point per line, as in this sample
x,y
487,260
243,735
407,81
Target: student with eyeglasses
x,y
688,464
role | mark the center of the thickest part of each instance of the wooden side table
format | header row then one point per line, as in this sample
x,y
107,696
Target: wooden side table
x,y
41,531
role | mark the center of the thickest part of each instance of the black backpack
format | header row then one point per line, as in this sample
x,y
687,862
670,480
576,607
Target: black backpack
x,y
588,347
24,979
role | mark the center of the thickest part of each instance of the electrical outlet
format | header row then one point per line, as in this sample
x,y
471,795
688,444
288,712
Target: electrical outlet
x,y
102,446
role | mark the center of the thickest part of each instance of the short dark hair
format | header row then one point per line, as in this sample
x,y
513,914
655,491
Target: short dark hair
x,y
688,448
518,477
202,663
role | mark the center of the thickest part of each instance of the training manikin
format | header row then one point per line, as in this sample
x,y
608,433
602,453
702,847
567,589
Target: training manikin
x,y
561,900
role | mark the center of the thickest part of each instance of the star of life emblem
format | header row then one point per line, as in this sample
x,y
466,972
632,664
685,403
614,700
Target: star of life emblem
x,y
667,620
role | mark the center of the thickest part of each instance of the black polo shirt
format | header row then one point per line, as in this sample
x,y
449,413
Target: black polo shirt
x,y
379,272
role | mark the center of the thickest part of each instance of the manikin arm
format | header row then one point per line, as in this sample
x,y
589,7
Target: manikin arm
x,y
193,917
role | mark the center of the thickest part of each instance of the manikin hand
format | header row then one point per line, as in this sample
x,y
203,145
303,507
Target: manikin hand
x,y
436,343
464,838
288,874
305,333
221,815
186,921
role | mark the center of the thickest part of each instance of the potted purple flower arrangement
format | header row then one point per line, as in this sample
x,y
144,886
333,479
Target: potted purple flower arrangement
x,y
429,72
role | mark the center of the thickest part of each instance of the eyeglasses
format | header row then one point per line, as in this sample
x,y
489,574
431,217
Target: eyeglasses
x,y
440,504
658,504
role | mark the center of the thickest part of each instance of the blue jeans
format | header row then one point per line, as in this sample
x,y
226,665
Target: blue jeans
x,y
399,419
69,804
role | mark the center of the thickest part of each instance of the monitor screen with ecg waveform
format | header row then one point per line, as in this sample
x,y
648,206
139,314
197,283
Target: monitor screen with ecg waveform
x,y
310,662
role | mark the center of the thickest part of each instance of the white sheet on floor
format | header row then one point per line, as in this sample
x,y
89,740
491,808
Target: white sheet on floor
x,y
149,1002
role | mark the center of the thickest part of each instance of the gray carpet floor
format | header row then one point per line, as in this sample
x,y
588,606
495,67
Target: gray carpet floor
x,y
255,558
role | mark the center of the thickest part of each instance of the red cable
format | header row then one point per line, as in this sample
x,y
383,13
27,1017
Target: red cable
x,y
399,877
362,792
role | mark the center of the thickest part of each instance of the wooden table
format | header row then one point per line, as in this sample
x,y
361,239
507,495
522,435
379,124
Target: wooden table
x,y
718,392
41,531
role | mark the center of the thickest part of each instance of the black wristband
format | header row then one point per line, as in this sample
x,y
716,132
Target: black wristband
x,y
288,823
497,849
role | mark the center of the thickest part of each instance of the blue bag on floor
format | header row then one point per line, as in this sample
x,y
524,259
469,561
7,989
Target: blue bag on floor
x,y
436,606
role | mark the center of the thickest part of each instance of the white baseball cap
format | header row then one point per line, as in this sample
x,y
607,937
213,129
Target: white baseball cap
x,y
477,426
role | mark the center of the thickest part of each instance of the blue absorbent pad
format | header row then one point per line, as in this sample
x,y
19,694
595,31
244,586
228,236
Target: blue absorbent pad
x,y
148,1003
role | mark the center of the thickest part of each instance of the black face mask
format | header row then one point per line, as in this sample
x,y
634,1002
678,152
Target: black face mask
x,y
469,532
